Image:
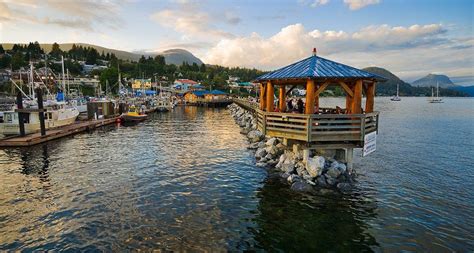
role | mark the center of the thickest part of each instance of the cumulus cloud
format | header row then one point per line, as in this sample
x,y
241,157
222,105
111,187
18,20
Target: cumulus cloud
x,y
358,4
397,48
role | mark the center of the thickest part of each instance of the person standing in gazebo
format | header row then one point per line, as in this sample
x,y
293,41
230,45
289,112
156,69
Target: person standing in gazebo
x,y
300,105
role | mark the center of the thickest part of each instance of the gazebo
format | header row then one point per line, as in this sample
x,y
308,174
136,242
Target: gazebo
x,y
318,128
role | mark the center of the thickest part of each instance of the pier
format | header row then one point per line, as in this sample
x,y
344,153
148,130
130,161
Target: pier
x,y
54,133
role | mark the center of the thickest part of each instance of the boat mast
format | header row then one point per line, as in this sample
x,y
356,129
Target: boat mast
x,y
67,73
397,89
64,81
32,81
437,90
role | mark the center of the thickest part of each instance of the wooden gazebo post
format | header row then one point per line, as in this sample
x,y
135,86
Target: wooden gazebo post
x,y
357,98
270,94
262,96
370,94
282,98
310,90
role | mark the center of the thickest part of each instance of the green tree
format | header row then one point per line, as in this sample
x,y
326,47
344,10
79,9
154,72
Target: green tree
x,y
17,61
92,56
5,61
56,51
2,51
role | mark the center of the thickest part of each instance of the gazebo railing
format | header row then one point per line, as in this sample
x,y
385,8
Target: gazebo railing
x,y
319,130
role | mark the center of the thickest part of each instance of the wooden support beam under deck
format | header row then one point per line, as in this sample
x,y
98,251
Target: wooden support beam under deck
x,y
269,94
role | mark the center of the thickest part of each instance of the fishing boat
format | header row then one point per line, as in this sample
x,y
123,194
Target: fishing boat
x,y
436,99
163,103
133,115
396,98
57,114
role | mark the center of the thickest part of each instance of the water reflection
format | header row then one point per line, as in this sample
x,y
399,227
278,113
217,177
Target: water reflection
x,y
35,164
294,222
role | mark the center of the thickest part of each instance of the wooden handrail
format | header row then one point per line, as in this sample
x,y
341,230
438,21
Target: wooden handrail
x,y
334,129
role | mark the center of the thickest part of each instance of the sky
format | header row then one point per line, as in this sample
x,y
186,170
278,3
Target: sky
x,y
410,38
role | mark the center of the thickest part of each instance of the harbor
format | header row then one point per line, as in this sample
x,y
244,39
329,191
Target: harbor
x,y
236,126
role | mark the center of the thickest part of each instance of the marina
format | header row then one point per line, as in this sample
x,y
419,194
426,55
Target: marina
x,y
236,126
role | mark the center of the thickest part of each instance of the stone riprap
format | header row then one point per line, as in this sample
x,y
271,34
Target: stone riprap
x,y
316,172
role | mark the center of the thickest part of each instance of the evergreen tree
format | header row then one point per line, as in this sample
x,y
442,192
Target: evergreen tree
x,y
56,51
2,51
17,61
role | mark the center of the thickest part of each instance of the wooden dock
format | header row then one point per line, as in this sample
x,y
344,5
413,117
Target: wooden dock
x,y
55,133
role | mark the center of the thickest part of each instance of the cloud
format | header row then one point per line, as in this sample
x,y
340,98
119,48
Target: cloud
x,y
193,23
359,4
397,48
317,3
353,4
84,14
313,3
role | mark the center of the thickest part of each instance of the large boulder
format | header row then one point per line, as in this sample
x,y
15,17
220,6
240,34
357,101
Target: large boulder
x,y
272,142
333,173
288,166
315,166
261,152
255,136
339,166
301,186
272,150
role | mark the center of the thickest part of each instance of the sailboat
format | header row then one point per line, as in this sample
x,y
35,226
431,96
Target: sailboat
x,y
436,99
57,113
396,98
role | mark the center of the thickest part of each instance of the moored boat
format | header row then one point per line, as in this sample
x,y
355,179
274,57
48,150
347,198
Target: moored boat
x,y
57,114
133,115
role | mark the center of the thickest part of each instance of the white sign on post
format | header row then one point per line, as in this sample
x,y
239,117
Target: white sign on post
x,y
370,143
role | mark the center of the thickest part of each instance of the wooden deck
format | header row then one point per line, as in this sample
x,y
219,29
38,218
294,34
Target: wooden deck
x,y
330,131
52,134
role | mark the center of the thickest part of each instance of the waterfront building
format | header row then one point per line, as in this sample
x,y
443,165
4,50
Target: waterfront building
x,y
186,84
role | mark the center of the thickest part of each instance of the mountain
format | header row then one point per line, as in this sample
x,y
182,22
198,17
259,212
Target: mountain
x,y
431,80
172,56
389,88
178,56
466,89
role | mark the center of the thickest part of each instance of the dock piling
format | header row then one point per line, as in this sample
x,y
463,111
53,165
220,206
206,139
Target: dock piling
x,y
39,95
21,121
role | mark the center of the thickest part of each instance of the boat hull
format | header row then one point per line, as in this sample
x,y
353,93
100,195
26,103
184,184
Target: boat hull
x,y
14,129
134,118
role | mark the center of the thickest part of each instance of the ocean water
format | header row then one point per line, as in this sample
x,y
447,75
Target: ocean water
x,y
184,180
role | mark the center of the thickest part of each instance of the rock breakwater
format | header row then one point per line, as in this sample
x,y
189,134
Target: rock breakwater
x,y
303,170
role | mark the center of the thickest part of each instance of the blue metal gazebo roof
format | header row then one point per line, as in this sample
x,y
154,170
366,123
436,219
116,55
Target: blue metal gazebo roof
x,y
318,67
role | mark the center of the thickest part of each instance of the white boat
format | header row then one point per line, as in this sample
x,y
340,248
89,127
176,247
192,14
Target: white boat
x,y
57,114
436,99
396,98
